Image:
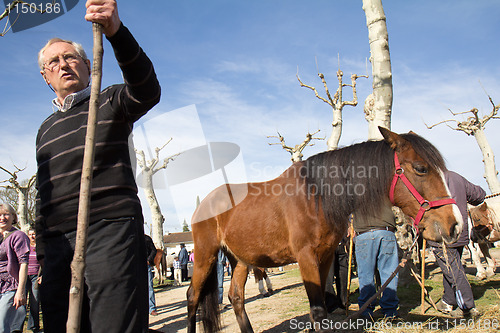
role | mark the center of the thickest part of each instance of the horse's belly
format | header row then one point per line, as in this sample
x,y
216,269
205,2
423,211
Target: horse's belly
x,y
260,251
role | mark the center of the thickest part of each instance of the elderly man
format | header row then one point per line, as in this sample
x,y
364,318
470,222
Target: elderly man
x,y
183,260
116,286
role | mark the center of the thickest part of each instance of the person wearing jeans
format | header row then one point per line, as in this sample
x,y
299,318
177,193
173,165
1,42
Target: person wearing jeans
x,y
221,262
377,250
151,252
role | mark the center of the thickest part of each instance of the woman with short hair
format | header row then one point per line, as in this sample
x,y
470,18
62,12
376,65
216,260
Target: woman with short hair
x,y
14,255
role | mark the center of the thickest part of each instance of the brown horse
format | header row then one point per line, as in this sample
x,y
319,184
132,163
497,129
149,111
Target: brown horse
x,y
302,215
160,264
484,230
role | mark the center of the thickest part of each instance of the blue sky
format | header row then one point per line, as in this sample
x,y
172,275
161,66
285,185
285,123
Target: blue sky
x,y
228,72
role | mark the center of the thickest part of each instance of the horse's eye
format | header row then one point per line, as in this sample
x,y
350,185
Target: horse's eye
x,y
420,169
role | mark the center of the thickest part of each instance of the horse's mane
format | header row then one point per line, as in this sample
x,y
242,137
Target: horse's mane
x,y
352,177
357,177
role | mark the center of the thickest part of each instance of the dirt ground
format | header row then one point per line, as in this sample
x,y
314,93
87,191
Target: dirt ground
x,y
285,311
266,314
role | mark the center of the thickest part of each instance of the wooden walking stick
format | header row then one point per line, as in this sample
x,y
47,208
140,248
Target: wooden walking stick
x,y
350,232
417,278
78,263
422,296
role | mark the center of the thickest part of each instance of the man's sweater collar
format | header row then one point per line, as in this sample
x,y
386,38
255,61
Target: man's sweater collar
x,y
71,100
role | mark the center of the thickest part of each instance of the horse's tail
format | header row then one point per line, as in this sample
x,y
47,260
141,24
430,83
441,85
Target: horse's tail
x,y
209,302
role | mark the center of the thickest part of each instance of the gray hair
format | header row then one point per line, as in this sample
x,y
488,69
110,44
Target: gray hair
x,y
78,48
10,209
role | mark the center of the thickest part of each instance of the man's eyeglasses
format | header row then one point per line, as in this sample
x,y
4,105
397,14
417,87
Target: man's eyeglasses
x,y
54,63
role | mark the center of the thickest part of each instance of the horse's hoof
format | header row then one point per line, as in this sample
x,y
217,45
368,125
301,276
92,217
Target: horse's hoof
x,y
266,294
318,313
480,277
489,273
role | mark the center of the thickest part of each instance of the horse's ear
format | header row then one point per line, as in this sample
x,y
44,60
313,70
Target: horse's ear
x,y
483,207
411,132
393,139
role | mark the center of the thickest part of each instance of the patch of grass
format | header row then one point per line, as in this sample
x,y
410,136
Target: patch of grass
x,y
486,297
293,273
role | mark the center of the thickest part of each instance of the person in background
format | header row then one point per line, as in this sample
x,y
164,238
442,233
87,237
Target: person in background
x,y
457,290
338,274
191,256
14,257
32,284
177,271
151,253
170,264
221,263
183,260
115,297
376,248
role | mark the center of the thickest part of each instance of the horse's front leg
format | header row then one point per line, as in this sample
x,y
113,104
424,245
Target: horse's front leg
x,y
237,296
314,276
490,262
476,259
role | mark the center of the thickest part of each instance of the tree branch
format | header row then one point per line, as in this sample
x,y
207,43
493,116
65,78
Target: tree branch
x,y
337,102
282,141
315,91
296,152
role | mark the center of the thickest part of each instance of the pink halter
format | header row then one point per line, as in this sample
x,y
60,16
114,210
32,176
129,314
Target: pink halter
x,y
424,204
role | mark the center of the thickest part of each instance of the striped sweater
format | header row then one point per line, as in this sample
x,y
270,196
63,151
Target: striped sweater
x,y
61,139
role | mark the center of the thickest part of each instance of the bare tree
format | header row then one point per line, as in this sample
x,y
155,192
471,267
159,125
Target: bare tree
x,y
474,125
296,151
378,105
336,102
149,169
23,190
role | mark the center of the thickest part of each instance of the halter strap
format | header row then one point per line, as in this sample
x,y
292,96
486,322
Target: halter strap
x,y
425,205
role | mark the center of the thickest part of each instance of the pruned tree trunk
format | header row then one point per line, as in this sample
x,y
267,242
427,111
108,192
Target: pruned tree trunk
x,y
333,141
378,106
157,218
490,172
22,208
22,196
149,169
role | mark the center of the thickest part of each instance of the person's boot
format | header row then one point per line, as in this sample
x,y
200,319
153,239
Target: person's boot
x,y
467,313
444,307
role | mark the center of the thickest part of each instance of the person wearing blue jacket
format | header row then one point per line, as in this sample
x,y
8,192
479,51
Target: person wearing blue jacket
x,y
183,260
